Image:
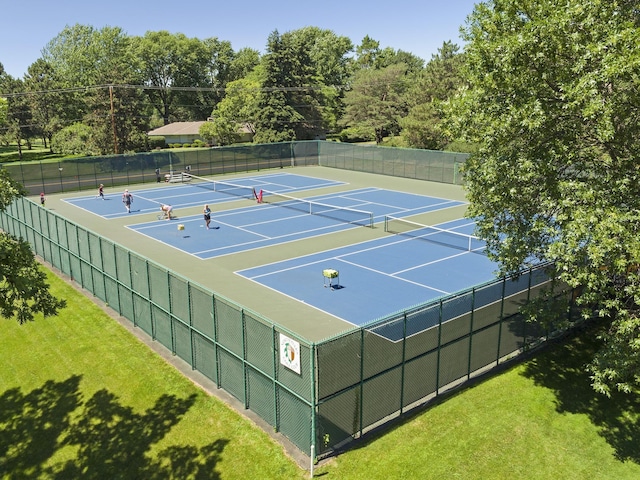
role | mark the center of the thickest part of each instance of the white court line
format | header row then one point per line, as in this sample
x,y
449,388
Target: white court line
x,y
261,241
429,263
162,242
342,259
298,300
393,276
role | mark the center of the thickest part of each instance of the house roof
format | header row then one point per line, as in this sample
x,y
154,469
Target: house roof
x,y
178,128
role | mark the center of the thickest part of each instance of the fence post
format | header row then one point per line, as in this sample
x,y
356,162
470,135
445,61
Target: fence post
x,y
312,373
439,348
473,306
504,282
361,406
404,359
274,343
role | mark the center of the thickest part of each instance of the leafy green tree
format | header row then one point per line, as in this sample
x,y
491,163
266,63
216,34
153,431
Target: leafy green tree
x,y
18,122
116,113
45,100
328,54
389,56
243,63
176,68
288,106
377,100
23,288
437,82
554,105
219,131
238,108
76,139
219,68
4,109
368,53
72,56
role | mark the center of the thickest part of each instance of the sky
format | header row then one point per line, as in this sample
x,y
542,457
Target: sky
x,y
416,26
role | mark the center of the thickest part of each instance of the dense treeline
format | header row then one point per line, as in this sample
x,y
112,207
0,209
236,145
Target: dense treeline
x,y
99,91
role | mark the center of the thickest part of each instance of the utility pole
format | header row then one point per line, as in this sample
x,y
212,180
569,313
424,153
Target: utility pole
x,y
113,122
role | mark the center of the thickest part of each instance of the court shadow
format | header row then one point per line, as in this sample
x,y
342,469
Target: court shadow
x,y
105,438
562,368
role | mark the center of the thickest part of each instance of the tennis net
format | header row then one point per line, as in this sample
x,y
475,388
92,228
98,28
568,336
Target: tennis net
x,y
342,214
450,238
223,187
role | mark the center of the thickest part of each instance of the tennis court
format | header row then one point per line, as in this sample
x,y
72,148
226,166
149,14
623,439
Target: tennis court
x,y
282,219
197,192
383,276
315,356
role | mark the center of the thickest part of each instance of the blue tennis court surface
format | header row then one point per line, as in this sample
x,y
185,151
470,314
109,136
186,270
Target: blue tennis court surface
x,y
181,195
379,277
261,225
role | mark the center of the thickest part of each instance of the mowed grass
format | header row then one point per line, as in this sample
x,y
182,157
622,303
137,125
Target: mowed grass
x,y
80,397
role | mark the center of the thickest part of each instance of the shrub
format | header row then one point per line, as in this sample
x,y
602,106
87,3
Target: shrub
x,y
76,139
353,134
156,141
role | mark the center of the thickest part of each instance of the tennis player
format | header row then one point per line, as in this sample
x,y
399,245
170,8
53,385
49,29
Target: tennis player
x,y
207,215
100,192
166,209
127,199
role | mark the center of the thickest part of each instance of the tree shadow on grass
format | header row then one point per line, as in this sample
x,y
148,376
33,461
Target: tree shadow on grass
x,y
562,368
105,438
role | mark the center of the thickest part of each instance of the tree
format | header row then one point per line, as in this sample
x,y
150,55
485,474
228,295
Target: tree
x,y
288,106
438,81
376,100
368,53
46,102
331,69
219,68
76,139
243,63
554,104
23,287
117,114
239,107
72,56
220,131
175,66
19,125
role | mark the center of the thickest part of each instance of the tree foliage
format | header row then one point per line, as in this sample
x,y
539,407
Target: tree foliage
x,y
76,139
122,86
554,105
437,82
170,61
46,102
23,287
288,106
376,100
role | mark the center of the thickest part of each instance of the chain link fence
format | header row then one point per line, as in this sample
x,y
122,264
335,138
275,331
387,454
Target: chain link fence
x,y
348,384
74,174
234,347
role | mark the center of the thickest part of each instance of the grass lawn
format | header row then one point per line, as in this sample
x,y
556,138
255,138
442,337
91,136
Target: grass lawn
x,y
37,152
81,397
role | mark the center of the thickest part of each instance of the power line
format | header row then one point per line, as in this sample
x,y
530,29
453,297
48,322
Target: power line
x,y
156,87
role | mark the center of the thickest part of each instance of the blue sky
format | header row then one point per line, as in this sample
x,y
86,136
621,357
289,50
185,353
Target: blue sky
x,y
415,26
